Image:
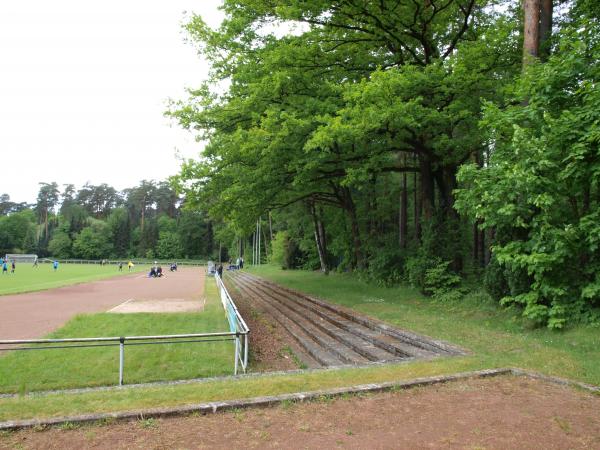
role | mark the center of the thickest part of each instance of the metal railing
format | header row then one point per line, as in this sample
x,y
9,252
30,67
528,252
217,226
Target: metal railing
x,y
123,261
237,325
238,332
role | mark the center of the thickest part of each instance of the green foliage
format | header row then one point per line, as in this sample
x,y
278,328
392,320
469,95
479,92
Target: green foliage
x,y
169,245
17,231
441,283
284,251
386,266
541,186
417,267
93,242
60,245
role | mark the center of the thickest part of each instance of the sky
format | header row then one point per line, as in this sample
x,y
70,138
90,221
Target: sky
x,y
84,86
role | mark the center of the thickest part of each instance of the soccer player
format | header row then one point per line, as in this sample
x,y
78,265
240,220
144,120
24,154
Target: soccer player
x,y
13,266
4,267
55,265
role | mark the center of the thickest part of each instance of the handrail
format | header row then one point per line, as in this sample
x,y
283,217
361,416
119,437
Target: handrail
x,y
116,338
240,326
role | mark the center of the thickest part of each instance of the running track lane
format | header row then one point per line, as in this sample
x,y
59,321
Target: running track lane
x,y
33,315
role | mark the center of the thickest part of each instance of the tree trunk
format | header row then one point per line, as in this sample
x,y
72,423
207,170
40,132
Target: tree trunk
x,y
476,243
319,239
264,236
350,207
545,28
427,188
484,250
403,214
417,205
531,31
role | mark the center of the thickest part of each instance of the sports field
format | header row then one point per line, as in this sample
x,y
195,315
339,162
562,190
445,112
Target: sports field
x,y
126,298
30,279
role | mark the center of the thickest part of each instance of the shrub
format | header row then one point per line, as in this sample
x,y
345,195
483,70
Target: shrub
x,y
441,283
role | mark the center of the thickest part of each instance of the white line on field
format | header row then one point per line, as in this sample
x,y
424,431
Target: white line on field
x,y
120,304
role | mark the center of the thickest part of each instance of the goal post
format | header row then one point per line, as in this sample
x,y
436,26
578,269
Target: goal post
x,y
20,258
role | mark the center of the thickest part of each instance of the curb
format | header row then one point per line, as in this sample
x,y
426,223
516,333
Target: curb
x,y
256,402
261,402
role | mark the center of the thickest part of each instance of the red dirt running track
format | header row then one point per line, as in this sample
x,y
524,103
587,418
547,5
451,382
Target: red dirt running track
x,y
33,315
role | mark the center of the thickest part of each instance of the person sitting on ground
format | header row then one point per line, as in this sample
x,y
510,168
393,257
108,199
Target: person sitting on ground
x,y
152,273
159,271
173,267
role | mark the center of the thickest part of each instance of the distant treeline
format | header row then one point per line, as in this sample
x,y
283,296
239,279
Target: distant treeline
x,y
94,222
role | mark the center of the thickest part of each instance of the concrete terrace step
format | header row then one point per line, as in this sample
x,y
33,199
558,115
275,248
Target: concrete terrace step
x,y
329,350
359,338
423,343
354,342
395,347
297,334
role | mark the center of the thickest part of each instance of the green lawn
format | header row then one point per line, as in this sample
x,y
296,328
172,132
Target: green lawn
x,y
28,279
495,337
25,371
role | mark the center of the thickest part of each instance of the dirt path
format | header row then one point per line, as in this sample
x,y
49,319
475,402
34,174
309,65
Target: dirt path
x,y
499,413
33,315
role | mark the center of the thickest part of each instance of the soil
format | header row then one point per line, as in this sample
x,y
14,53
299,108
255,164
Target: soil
x,y
495,413
271,347
33,315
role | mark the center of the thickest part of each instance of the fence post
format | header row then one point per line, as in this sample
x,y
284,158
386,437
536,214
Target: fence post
x,y
237,346
245,351
121,359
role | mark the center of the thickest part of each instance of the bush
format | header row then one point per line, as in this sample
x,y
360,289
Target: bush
x,y
441,283
494,280
386,267
417,266
285,251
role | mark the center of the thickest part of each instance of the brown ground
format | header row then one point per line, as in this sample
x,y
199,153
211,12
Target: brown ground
x,y
498,413
33,315
270,345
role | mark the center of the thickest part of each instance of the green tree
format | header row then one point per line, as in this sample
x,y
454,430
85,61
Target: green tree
x,y
120,230
94,241
47,200
540,191
60,245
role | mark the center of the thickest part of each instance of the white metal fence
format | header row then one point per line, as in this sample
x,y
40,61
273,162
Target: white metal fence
x,y
237,325
238,333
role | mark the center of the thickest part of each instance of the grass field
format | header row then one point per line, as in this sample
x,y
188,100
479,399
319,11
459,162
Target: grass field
x,y
29,279
25,371
497,337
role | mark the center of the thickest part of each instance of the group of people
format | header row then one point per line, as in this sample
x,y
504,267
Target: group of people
x,y
156,271
239,264
4,264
